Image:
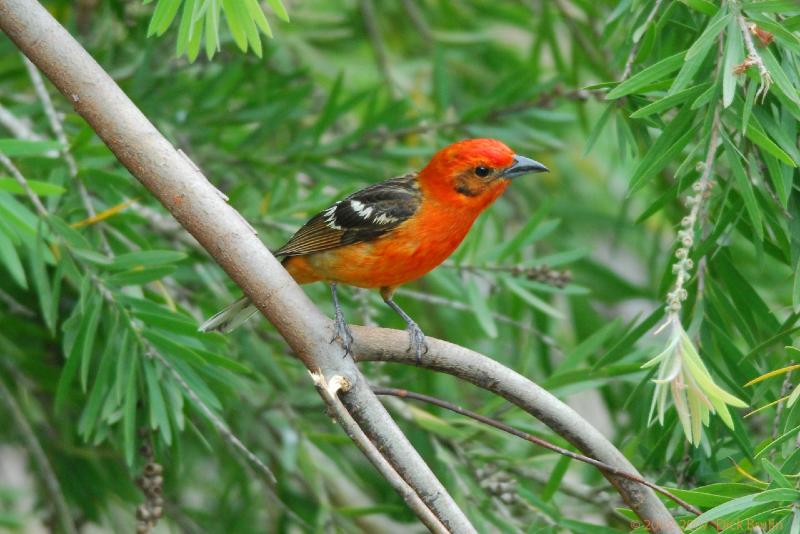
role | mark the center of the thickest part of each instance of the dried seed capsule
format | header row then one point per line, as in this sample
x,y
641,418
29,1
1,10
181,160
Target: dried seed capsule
x,y
143,512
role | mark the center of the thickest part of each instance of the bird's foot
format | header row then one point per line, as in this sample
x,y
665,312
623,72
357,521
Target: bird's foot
x,y
342,333
417,343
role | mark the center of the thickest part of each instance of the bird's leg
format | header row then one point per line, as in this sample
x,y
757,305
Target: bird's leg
x,y
341,331
416,337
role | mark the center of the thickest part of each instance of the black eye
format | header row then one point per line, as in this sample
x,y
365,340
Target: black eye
x,y
482,171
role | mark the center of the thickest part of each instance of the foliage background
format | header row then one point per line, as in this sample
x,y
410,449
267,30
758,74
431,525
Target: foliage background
x,y
98,315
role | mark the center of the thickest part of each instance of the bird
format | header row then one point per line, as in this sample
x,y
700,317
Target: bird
x,y
394,232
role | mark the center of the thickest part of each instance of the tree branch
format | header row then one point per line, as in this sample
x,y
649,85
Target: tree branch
x,y
198,206
405,394
380,344
329,392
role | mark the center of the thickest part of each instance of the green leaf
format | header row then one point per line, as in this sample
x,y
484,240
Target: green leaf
x,y
706,39
17,216
40,188
279,9
646,77
10,258
744,186
672,140
187,27
146,258
777,441
480,307
129,414
699,50
531,299
778,480
101,389
588,346
556,476
163,16
703,6
743,503
236,25
770,6
212,29
257,14
192,355
41,281
734,52
757,135
87,339
159,419
527,234
16,148
140,275
669,101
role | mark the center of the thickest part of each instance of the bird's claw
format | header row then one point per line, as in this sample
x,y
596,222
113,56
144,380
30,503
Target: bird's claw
x,y
417,342
342,333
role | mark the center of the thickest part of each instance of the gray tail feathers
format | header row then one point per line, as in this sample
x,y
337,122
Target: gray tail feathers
x,y
230,318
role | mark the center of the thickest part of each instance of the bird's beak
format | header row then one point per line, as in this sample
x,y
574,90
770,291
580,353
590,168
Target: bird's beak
x,y
523,165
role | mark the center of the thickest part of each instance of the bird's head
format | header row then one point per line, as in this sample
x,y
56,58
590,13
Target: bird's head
x,y
474,172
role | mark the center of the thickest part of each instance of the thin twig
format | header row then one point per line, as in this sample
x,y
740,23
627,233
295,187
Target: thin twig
x,y
14,306
542,273
405,394
52,115
19,128
45,469
329,391
754,58
418,20
58,129
635,48
34,198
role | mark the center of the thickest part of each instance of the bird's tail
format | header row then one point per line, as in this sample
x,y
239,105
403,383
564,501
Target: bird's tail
x,y
236,314
230,318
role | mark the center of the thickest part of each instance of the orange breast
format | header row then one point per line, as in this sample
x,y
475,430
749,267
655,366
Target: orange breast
x,y
411,250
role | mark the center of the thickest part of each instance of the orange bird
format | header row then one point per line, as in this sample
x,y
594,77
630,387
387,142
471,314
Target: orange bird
x,y
395,231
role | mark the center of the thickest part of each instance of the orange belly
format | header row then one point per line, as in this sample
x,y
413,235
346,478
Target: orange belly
x,y
411,250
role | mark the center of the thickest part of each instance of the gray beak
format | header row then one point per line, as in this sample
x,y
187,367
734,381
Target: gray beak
x,y
523,165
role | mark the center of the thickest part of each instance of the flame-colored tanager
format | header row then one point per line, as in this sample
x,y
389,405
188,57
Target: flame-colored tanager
x,y
395,231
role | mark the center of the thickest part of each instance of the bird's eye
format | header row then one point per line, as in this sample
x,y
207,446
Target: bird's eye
x,y
482,171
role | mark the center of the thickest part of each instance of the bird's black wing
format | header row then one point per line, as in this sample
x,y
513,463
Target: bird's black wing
x,y
363,216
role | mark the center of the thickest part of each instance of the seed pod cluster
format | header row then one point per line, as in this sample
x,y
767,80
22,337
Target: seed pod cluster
x,y
151,482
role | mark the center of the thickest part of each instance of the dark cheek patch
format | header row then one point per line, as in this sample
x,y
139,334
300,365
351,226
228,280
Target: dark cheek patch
x,y
468,186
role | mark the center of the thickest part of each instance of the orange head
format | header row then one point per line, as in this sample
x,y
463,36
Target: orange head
x,y
474,172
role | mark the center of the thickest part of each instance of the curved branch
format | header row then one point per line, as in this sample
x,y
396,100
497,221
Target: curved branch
x,y
380,344
201,209
405,394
